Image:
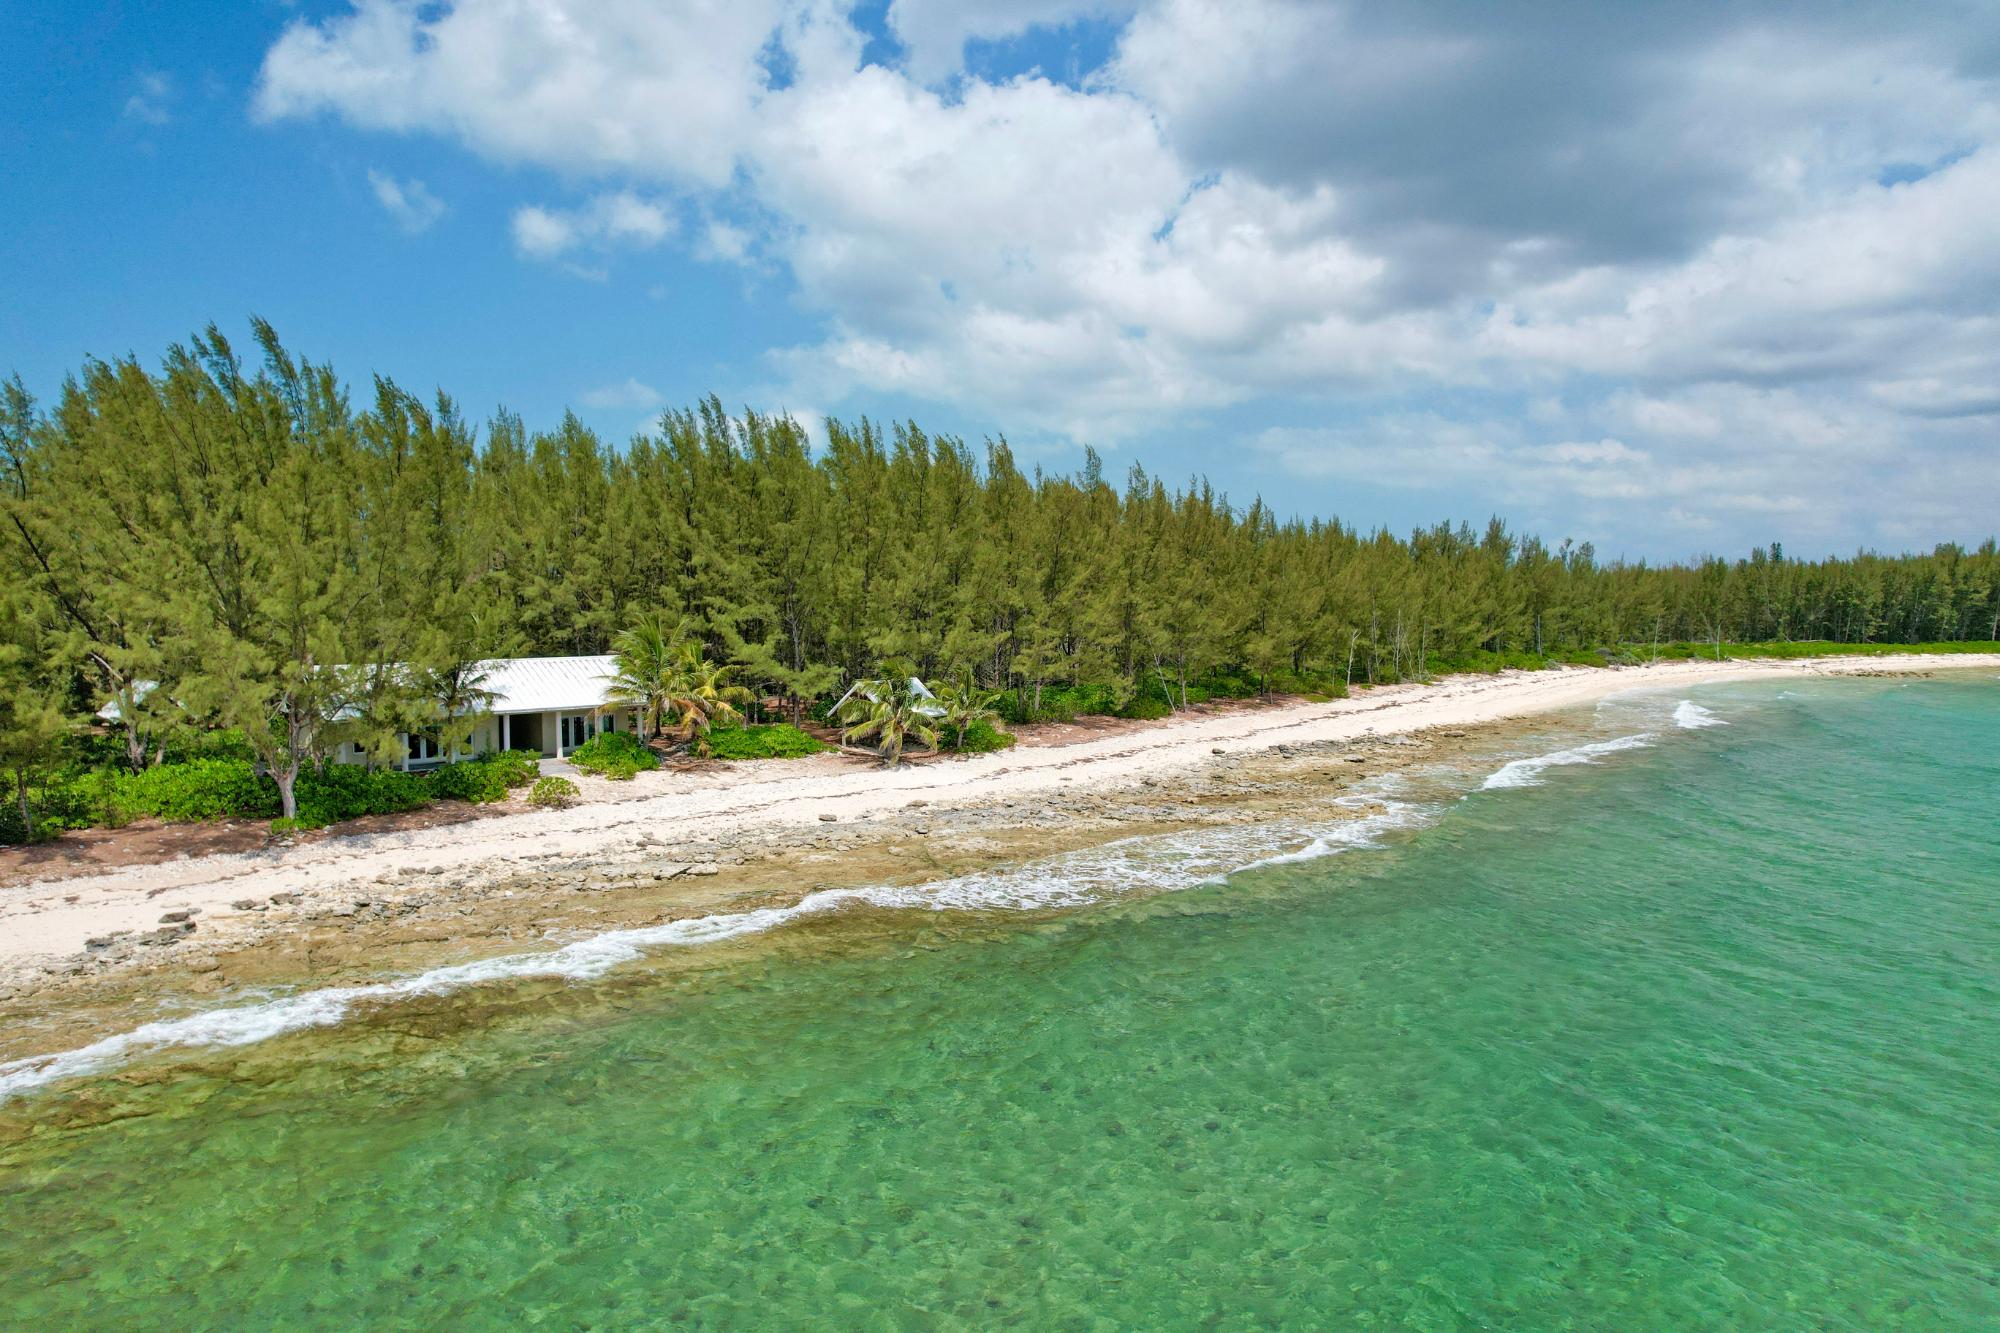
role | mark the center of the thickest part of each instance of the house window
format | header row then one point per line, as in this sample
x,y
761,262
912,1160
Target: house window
x,y
423,749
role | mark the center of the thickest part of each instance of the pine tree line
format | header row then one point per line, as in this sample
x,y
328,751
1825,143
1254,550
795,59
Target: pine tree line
x,y
231,533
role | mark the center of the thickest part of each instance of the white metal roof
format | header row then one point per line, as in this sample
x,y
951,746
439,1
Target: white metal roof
x,y
518,684
546,684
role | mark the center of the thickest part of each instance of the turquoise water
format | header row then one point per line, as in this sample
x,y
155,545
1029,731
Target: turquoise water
x,y
1702,1033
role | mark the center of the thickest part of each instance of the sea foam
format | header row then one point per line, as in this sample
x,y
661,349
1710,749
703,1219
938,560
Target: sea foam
x,y
1527,772
1148,864
1691,716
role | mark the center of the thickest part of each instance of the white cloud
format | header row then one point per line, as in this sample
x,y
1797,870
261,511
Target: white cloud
x,y
409,202
631,393
152,102
1753,254
621,219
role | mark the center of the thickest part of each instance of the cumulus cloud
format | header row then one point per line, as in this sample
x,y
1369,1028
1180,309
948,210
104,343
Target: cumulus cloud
x,y
1717,259
410,202
621,219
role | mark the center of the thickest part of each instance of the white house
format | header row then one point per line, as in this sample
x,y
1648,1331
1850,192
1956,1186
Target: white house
x,y
547,704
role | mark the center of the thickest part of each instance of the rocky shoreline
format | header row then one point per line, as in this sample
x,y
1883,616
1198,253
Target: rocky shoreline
x,y
426,915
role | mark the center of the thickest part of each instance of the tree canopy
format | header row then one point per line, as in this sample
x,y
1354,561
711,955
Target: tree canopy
x,y
202,544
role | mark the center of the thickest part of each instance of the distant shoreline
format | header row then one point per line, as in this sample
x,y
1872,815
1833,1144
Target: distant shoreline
x,y
687,844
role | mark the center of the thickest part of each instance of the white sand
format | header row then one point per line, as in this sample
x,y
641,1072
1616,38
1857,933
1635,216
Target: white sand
x,y
38,923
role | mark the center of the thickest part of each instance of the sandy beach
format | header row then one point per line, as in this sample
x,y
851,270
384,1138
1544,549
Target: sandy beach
x,y
676,844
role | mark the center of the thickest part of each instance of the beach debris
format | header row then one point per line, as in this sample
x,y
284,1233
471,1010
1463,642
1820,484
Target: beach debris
x,y
248,905
828,817
285,899
1218,750
179,914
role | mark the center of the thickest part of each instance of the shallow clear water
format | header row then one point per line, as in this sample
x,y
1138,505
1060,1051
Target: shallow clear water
x,y
1698,1033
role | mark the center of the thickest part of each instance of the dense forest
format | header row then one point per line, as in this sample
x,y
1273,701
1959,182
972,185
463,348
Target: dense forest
x,y
233,530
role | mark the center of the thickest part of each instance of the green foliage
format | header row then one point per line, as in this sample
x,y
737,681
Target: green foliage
x,y
349,791
980,737
552,792
197,538
780,740
889,711
616,755
198,790
517,768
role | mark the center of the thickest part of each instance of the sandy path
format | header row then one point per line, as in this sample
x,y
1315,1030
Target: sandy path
x,y
52,918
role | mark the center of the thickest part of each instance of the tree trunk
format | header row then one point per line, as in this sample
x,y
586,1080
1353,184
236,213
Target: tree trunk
x,y
287,780
27,816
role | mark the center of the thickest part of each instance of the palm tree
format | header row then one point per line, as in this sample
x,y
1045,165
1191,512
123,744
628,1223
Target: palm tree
x,y
891,711
701,694
965,704
646,671
462,694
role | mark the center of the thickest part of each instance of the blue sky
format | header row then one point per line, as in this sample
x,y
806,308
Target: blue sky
x,y
1670,280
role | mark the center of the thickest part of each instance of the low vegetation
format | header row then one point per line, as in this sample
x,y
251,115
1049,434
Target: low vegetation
x,y
552,792
217,788
615,755
778,740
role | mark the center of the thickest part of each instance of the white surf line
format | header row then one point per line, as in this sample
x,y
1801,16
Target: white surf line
x,y
1151,863
1527,772
1691,716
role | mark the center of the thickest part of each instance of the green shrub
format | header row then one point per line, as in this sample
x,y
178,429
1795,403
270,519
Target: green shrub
x,y
981,737
779,740
196,790
1148,708
349,791
614,754
517,768
552,792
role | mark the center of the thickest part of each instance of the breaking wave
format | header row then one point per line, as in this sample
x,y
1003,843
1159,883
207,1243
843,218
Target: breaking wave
x,y
1147,864
1691,716
1527,772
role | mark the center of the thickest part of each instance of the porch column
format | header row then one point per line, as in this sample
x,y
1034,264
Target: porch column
x,y
559,721
506,731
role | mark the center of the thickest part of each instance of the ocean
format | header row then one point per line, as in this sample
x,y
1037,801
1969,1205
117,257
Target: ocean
x,y
1681,1012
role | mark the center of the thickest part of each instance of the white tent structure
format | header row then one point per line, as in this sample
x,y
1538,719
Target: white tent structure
x,y
930,707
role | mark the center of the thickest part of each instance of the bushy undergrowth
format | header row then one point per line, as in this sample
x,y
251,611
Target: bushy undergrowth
x,y
348,791
1157,695
777,740
1801,648
552,792
617,755
485,779
981,737
232,788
